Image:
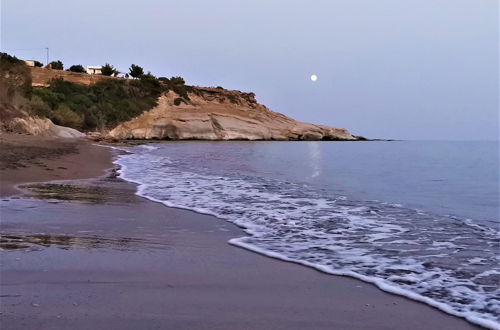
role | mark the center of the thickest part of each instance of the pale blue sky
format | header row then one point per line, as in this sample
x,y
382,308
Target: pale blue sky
x,y
386,68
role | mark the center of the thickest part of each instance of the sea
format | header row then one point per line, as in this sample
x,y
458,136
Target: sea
x,y
415,218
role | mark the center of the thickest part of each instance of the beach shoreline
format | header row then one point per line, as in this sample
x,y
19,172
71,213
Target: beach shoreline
x,y
25,159
86,261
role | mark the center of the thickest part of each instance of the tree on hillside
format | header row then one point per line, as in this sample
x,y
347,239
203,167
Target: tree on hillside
x,y
178,85
177,81
38,64
56,65
136,71
108,70
148,75
77,68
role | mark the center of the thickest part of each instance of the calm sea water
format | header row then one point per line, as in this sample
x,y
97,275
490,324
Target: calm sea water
x,y
419,219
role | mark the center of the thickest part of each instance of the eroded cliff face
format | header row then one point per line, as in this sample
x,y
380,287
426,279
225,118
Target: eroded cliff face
x,y
219,114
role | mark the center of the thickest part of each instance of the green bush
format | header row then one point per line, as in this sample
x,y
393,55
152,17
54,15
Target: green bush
x,y
64,116
49,96
108,70
101,105
38,107
147,76
57,65
149,81
177,81
136,71
77,68
178,85
38,64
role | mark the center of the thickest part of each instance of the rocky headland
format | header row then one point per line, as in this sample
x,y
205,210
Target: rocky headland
x,y
48,102
219,114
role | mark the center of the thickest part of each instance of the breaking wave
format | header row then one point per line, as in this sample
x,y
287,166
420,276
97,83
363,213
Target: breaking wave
x,y
444,261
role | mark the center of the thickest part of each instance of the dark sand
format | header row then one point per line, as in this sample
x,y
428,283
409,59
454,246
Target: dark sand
x,y
105,259
25,158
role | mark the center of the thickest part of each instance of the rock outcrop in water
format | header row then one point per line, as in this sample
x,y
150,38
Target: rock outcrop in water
x,y
219,114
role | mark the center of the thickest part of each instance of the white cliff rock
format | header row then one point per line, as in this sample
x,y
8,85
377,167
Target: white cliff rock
x,y
218,114
42,127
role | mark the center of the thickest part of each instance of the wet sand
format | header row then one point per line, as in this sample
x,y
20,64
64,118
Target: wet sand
x,y
99,257
25,158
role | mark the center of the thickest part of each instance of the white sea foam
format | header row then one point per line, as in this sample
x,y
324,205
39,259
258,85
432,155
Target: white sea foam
x,y
445,262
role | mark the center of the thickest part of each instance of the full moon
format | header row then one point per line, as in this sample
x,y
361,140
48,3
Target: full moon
x,y
314,77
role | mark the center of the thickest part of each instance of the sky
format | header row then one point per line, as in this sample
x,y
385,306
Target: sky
x,y
412,69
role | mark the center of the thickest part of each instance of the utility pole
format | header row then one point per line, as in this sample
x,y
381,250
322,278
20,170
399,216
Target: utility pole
x,y
47,49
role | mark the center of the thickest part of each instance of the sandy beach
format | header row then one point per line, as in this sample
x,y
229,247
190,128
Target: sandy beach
x,y
86,253
25,158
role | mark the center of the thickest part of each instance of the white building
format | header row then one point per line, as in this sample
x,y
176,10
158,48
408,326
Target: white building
x,y
94,69
30,62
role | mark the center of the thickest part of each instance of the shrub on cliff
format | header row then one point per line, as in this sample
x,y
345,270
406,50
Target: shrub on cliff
x,y
64,116
178,81
101,105
56,65
77,68
178,101
36,106
178,85
148,81
38,64
108,70
51,98
136,71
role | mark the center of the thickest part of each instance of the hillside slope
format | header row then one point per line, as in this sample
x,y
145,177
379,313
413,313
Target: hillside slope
x,y
34,99
219,114
15,93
